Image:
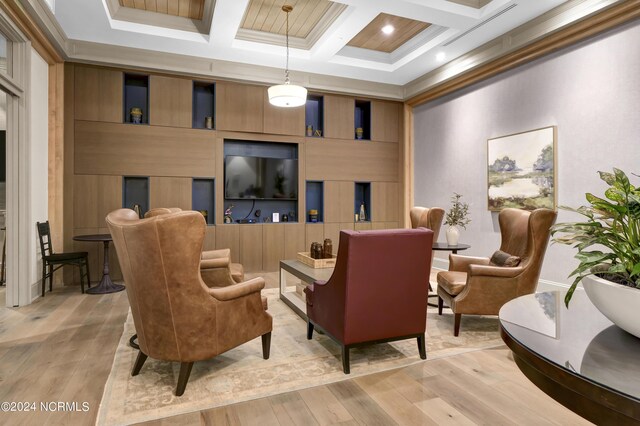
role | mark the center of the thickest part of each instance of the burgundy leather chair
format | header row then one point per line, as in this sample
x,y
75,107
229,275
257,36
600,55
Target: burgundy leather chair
x,y
378,290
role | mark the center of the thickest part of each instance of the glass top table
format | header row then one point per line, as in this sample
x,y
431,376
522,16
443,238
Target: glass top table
x,y
575,355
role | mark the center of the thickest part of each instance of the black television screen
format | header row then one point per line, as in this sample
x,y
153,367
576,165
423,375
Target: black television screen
x,y
260,178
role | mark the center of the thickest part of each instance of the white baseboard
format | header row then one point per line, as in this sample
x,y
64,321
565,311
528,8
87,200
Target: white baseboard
x,y
36,290
543,285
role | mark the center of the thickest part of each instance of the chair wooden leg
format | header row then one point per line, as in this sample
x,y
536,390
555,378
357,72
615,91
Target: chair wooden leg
x,y
142,357
309,330
44,276
421,347
183,377
86,267
456,324
50,278
345,360
266,345
81,267
440,305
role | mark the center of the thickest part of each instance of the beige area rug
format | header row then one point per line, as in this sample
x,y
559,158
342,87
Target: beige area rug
x,y
295,363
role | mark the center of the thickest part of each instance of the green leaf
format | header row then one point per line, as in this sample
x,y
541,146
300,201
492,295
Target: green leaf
x,y
615,194
622,179
636,270
609,178
617,269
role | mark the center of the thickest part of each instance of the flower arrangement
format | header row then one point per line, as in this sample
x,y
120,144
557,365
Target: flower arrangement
x,y
459,212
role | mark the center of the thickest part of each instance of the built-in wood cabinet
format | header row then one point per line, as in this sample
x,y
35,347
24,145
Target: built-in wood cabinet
x,y
174,156
170,192
283,121
170,101
98,94
385,121
240,107
339,116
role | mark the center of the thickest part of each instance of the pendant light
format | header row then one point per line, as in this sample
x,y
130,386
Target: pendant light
x,y
287,95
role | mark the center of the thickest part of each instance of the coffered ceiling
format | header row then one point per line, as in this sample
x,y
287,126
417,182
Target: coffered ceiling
x,y
340,38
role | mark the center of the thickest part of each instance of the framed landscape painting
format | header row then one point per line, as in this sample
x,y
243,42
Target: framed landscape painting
x,y
522,170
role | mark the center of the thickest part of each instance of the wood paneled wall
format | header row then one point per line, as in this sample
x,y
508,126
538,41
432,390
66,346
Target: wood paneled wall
x,y
102,149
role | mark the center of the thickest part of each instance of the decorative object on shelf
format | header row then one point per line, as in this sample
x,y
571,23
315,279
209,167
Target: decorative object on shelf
x,y
327,249
275,217
285,218
136,115
318,133
522,170
362,216
287,94
227,215
313,216
208,122
357,217
205,214
309,130
613,223
456,217
136,208
292,216
359,132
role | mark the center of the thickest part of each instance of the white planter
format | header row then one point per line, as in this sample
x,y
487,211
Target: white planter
x,y
453,234
617,302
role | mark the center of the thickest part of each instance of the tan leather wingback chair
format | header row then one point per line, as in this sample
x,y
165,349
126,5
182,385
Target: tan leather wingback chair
x,y
472,286
177,317
216,267
430,218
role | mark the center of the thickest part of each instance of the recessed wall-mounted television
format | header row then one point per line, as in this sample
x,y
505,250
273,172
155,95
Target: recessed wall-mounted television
x,y
260,178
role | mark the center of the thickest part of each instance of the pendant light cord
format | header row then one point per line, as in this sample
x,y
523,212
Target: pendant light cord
x,y
286,70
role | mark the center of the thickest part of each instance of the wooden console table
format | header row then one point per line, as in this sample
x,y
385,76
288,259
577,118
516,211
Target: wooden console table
x,y
575,355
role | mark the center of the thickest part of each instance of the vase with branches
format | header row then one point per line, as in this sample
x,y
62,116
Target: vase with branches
x,y
457,216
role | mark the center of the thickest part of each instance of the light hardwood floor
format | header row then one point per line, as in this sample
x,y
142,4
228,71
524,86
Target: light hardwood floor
x,y
61,348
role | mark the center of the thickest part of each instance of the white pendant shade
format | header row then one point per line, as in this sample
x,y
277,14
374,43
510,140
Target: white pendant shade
x,y
287,95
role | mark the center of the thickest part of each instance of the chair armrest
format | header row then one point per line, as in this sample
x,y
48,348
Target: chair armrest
x,y
495,271
216,254
461,263
237,290
222,262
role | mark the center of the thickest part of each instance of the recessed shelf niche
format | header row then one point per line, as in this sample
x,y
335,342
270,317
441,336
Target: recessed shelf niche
x,y
203,195
135,191
136,95
204,105
314,116
363,120
315,200
363,195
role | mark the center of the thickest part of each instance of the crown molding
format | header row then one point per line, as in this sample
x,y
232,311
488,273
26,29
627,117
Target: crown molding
x,y
562,26
127,57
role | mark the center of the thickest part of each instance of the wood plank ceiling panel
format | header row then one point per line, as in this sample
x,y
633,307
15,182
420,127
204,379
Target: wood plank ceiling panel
x,y
193,9
267,16
371,37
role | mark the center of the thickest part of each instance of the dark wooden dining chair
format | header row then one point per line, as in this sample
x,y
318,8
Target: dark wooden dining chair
x,y
52,261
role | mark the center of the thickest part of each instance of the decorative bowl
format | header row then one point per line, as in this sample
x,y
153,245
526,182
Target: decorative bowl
x,y
617,302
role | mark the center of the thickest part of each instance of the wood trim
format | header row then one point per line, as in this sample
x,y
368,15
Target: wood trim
x,y
56,154
607,19
31,29
406,166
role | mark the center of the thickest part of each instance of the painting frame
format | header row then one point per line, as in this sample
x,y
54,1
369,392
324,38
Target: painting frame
x,y
502,170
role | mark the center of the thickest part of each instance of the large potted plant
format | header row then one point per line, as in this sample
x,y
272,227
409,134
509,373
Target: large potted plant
x,y
608,244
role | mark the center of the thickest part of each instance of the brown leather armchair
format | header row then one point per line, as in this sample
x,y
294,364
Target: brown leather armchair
x,y
430,218
216,267
473,286
177,317
378,290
